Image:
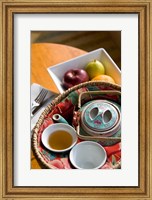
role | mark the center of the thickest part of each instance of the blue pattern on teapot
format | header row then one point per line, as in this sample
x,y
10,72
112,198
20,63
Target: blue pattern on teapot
x,y
100,116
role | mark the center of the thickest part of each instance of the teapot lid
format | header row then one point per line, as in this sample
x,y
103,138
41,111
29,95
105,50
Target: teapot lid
x,y
100,116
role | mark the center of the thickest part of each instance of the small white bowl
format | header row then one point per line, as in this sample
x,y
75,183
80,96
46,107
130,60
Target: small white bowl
x,y
88,155
52,129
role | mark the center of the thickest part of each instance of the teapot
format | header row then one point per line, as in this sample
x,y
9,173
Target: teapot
x,y
99,118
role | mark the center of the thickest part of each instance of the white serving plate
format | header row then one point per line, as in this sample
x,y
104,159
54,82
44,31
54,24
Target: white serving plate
x,y
57,71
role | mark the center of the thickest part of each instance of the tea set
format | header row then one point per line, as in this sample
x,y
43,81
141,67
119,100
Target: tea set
x,y
98,119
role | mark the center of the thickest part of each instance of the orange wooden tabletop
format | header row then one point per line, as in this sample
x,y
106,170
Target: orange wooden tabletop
x,y
44,55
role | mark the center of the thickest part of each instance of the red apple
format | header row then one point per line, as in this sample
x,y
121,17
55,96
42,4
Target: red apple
x,y
74,77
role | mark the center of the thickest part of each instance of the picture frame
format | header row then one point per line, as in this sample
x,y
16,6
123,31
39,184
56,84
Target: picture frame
x,y
9,9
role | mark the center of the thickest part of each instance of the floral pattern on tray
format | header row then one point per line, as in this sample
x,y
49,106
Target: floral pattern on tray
x,y
66,108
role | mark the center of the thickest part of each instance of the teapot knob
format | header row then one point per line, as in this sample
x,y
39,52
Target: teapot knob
x,y
105,115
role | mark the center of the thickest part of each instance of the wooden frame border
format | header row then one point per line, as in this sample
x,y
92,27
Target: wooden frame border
x,y
144,11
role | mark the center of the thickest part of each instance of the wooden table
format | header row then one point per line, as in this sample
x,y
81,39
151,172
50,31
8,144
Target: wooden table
x,y
44,55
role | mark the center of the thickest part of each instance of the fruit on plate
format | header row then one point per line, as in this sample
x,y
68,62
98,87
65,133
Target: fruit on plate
x,y
94,68
105,78
74,77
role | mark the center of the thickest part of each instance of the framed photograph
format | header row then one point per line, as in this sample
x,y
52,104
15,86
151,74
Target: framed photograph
x,y
121,32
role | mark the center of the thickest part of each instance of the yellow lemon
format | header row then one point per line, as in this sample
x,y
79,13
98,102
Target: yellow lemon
x,y
105,78
94,68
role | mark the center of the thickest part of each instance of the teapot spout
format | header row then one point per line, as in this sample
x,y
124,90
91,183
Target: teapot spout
x,y
59,119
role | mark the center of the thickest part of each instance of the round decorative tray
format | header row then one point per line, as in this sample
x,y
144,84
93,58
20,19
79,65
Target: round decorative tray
x,y
66,105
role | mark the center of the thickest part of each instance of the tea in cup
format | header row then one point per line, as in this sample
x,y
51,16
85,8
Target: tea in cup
x,y
59,137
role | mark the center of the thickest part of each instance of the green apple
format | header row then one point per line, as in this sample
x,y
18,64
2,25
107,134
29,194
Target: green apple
x,y
94,68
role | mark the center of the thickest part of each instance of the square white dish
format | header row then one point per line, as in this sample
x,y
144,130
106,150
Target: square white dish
x,y
57,71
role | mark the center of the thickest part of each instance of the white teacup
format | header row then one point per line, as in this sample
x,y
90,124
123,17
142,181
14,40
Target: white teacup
x,y
59,137
88,155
